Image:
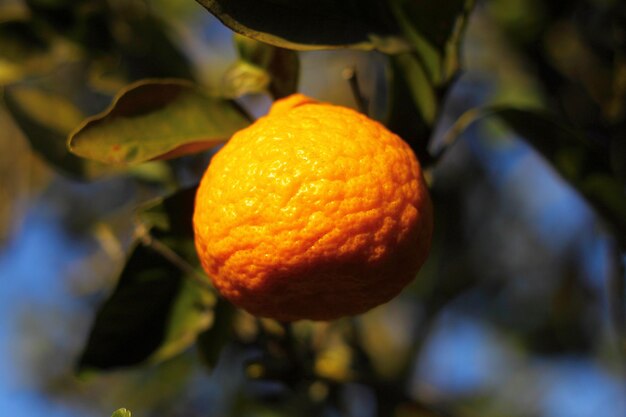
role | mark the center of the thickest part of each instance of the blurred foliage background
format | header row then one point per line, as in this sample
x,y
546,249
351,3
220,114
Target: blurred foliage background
x,y
520,310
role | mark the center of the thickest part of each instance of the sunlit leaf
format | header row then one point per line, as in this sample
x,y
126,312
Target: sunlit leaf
x,y
157,119
122,412
244,78
47,130
262,67
308,25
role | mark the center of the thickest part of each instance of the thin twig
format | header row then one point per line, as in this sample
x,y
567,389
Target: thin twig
x,y
162,249
350,75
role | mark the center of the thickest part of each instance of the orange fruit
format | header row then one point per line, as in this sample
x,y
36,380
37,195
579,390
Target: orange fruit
x,y
313,212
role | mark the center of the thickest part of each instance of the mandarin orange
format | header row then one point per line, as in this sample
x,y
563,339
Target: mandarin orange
x,y
313,212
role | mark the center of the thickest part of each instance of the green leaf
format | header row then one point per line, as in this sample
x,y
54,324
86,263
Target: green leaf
x,y
419,79
262,68
155,312
409,69
172,214
122,412
244,78
212,341
577,160
47,130
412,107
157,119
147,50
310,25
190,315
434,30
132,323
158,307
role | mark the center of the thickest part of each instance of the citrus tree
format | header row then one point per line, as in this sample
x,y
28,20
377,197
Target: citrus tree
x,y
99,89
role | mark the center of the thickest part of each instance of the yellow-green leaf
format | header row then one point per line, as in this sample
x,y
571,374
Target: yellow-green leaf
x,y
156,119
262,68
122,412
